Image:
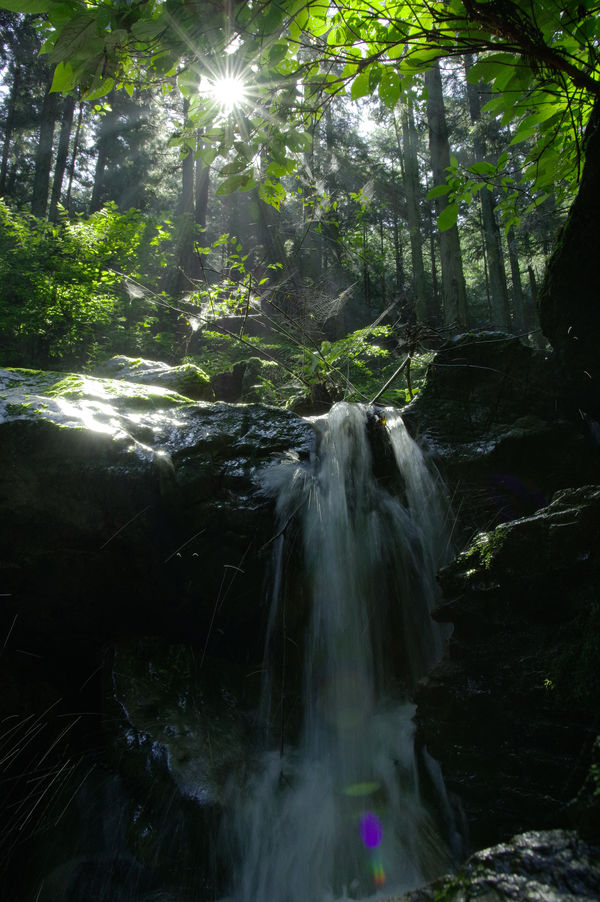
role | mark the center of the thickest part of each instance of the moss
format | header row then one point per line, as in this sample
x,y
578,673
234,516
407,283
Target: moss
x,y
129,395
16,410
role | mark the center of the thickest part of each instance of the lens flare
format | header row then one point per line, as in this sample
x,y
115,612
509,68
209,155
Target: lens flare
x,y
370,830
378,872
227,91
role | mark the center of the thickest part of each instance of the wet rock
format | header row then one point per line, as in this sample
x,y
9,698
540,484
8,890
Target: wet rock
x,y
539,866
124,501
127,513
186,379
179,733
511,712
584,809
496,420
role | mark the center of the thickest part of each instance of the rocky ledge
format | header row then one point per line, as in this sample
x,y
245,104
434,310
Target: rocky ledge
x,y
540,866
512,711
496,418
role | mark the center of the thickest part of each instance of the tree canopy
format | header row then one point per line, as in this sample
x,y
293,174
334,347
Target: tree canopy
x,y
540,59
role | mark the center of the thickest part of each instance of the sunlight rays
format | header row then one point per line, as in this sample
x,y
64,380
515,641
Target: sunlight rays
x,y
228,92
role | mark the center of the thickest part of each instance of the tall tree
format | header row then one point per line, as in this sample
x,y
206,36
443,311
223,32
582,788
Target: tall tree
x,y
454,292
491,232
408,148
43,156
62,153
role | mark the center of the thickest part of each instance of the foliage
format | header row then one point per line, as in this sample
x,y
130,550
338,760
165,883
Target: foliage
x,y
541,60
64,297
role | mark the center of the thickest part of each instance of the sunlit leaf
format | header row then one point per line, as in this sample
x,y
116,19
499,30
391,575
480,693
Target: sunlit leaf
x,y
360,85
438,191
390,87
26,6
63,79
448,217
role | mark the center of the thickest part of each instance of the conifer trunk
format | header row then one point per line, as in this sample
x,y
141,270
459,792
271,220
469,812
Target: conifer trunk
x,y
9,125
43,156
408,148
61,155
454,291
491,233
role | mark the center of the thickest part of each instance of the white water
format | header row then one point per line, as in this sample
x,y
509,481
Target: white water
x,y
340,814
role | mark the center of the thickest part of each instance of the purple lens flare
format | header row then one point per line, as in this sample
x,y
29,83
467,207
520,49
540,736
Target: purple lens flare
x,y
370,830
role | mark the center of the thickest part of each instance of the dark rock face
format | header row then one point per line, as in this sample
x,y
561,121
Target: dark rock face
x,y
569,310
132,525
512,712
540,866
494,417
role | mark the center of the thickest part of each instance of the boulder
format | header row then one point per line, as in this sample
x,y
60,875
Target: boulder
x,y
539,866
187,379
511,712
132,528
495,417
124,501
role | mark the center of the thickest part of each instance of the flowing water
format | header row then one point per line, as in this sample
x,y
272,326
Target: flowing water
x,y
339,812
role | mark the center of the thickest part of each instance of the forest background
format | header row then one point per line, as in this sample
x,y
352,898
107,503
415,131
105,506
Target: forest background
x,y
326,188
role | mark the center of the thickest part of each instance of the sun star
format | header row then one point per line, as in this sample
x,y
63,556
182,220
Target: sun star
x,y
227,92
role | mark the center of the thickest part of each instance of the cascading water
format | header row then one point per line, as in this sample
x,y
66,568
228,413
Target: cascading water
x,y
339,813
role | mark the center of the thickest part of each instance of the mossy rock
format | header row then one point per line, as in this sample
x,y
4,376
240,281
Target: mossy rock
x,y
511,713
187,379
551,865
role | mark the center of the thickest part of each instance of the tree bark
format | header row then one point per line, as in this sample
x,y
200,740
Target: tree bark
x,y
491,233
74,157
454,292
524,318
202,182
61,155
408,150
9,125
568,300
43,157
106,135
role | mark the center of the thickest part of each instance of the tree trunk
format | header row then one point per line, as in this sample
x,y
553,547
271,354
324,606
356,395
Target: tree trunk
x,y
43,157
106,135
9,125
61,155
74,157
454,291
202,177
407,148
524,318
435,306
569,308
491,233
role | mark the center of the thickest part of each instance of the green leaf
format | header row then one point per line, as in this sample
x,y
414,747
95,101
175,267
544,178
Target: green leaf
x,y
438,191
360,85
63,79
207,155
278,52
187,82
147,29
235,183
390,87
26,6
78,39
448,217
235,166
298,142
100,89
482,168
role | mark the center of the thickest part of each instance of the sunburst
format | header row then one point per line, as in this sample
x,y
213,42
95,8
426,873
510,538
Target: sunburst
x,y
227,92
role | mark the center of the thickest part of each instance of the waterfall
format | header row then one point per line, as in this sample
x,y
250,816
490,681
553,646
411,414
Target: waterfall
x,y
333,807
